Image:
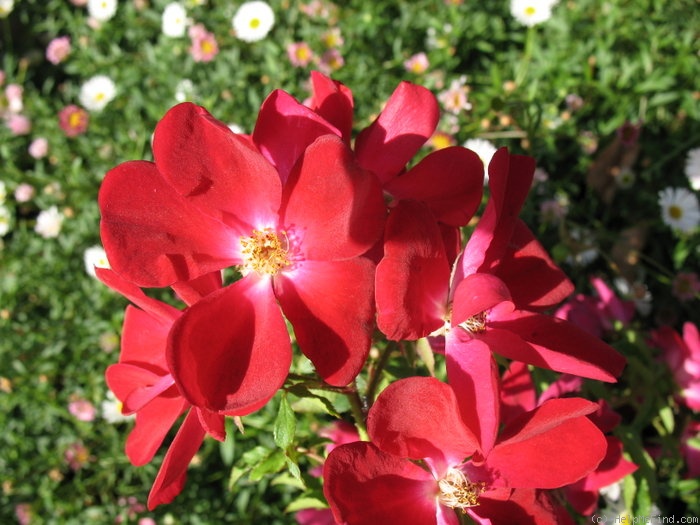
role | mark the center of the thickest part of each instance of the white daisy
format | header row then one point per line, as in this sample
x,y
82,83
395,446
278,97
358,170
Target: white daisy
x,y
97,92
174,20
531,12
253,21
485,150
95,257
111,409
692,168
48,223
184,90
4,220
679,209
102,10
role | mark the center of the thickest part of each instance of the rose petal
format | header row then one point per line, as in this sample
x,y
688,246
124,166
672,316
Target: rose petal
x,y
404,125
153,422
215,170
365,486
555,433
334,102
230,352
413,277
473,375
285,128
450,181
337,215
331,307
152,236
173,471
419,418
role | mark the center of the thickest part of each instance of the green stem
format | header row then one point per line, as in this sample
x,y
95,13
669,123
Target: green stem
x,y
527,57
358,413
377,372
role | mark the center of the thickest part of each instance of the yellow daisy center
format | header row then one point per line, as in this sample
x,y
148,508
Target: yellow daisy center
x,y
676,212
254,23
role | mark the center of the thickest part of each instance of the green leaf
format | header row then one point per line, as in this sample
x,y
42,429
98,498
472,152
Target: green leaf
x,y
227,448
666,415
272,463
306,502
285,424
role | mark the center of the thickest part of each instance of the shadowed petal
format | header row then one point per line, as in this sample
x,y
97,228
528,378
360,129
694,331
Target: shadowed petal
x,y
230,352
418,418
555,433
333,101
413,277
366,486
216,171
404,125
477,293
553,343
450,181
331,307
152,236
285,128
153,422
173,472
473,375
518,394
336,215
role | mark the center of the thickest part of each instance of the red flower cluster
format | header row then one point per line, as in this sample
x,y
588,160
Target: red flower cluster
x,y
298,223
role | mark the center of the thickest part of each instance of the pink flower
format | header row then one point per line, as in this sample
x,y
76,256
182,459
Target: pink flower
x,y
454,99
18,124
417,64
24,192
77,456
14,94
686,286
82,409
204,46
331,60
39,148
58,49
300,54
682,354
73,120
23,513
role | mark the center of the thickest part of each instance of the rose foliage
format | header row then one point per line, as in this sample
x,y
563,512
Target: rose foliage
x,y
303,235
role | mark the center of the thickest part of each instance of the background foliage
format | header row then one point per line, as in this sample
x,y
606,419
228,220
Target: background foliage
x,y
628,61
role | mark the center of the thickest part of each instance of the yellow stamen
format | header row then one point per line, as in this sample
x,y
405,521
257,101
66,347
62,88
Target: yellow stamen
x,y
264,252
457,492
475,324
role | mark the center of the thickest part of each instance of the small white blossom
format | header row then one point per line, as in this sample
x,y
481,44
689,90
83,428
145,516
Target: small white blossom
x,y
485,150
531,12
102,10
5,217
174,20
679,209
95,256
692,168
97,92
49,222
6,7
111,409
184,90
253,21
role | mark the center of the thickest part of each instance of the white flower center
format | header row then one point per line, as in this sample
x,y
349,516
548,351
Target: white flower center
x,y
457,492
